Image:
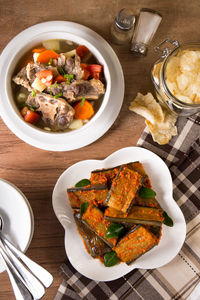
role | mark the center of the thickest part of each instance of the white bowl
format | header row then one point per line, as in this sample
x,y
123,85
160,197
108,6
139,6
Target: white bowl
x,y
108,110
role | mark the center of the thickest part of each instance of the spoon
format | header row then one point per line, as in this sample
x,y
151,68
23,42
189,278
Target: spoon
x,y
43,275
29,279
19,288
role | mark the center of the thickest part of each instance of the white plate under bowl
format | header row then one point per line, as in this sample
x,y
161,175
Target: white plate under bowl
x,y
17,216
111,104
172,237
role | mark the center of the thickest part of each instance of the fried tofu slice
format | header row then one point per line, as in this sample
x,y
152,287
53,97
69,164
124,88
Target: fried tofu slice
x,y
138,241
124,189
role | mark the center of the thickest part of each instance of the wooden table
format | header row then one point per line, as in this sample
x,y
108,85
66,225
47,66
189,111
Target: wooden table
x,y
35,171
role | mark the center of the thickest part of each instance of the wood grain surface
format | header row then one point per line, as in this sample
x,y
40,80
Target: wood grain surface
x,y
35,171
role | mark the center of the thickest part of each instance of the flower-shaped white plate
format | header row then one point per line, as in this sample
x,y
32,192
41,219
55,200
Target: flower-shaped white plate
x,y
172,237
17,216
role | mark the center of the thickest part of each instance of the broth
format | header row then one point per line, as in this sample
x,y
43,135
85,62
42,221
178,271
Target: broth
x,y
81,83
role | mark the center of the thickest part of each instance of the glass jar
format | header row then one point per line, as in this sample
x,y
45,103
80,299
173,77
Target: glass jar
x,y
159,78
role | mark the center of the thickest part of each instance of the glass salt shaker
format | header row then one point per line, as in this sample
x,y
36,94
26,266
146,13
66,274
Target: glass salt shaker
x,y
146,27
122,27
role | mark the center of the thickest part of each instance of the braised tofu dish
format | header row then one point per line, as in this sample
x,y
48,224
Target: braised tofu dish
x,y
117,213
58,85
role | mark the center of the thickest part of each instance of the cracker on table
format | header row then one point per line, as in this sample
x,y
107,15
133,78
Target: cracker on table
x,y
147,107
160,121
162,132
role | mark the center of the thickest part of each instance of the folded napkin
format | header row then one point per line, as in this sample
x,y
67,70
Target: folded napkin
x,y
177,279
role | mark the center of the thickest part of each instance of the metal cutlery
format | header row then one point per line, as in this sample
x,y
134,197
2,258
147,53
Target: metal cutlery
x,y
19,288
28,282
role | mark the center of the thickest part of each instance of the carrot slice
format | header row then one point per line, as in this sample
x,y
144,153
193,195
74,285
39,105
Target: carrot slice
x,y
38,50
83,111
59,78
24,111
84,66
29,115
86,71
46,55
95,70
82,51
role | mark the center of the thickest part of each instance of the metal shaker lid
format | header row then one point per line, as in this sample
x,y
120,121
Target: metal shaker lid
x,y
125,20
139,48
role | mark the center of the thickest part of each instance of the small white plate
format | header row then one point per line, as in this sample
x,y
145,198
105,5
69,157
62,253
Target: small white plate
x,y
172,237
17,216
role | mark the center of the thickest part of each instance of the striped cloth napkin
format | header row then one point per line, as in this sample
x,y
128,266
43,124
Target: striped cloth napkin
x,y
181,277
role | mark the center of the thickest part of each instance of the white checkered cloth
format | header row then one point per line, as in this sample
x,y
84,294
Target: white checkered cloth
x,y
178,279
